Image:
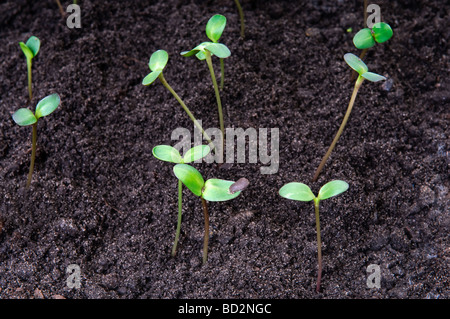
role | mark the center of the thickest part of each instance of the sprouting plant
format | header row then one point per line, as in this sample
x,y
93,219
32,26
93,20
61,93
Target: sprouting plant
x,y
241,17
25,117
157,63
361,68
213,190
221,51
366,38
170,154
30,49
302,192
214,30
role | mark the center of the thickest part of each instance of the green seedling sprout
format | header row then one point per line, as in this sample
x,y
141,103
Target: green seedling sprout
x,y
361,68
214,30
221,51
157,63
30,49
241,17
302,192
366,38
213,190
25,117
170,154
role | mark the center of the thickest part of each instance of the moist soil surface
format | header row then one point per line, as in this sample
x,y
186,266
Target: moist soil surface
x,y
100,200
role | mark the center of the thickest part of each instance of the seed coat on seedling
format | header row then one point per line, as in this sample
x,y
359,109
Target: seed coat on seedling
x,y
170,154
212,190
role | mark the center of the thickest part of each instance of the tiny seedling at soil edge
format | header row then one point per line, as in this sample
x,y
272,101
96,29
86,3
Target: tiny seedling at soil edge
x,y
25,117
221,51
361,68
213,190
30,49
214,30
170,154
302,192
157,63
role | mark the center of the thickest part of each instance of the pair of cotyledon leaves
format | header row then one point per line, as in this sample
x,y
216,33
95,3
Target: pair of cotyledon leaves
x,y
31,47
47,105
214,29
359,66
302,192
170,154
213,190
159,59
366,38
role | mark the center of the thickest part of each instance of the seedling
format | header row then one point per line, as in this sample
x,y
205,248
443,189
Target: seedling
x,y
30,49
214,30
221,51
366,38
361,68
157,63
169,154
213,190
25,117
302,192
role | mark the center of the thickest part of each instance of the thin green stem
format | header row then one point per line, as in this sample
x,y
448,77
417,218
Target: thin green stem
x,y
206,236
33,154
30,83
241,16
219,102
222,73
319,243
185,108
180,202
341,128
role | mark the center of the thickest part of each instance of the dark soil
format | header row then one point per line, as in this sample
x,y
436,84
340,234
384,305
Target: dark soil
x,y
99,199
